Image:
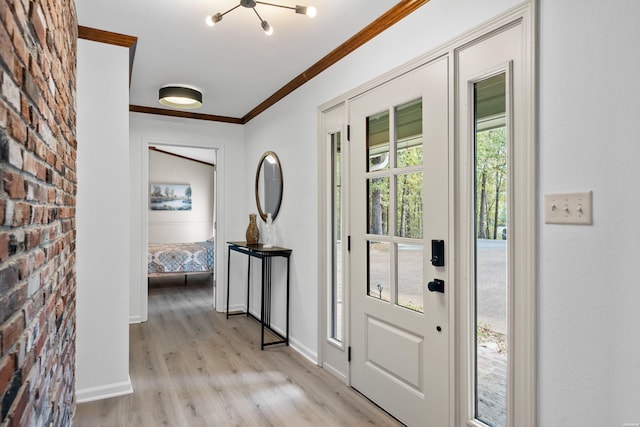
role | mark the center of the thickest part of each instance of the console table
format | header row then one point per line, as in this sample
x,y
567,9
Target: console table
x,y
266,255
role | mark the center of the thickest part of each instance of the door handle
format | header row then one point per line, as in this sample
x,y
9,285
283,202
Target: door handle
x,y
436,285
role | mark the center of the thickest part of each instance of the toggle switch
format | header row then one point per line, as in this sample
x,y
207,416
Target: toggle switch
x,y
576,208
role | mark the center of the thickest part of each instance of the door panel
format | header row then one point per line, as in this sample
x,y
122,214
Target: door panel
x,y
399,168
404,364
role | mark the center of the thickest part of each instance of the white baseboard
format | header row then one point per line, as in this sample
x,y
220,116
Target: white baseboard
x,y
336,373
235,307
135,319
305,351
104,391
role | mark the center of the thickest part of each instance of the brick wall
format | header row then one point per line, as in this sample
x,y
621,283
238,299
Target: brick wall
x,y
37,211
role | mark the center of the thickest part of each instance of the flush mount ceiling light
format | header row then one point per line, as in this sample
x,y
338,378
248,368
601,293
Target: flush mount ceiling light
x,y
180,97
268,29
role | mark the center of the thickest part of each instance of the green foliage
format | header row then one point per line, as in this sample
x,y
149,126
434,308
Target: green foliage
x,y
409,194
491,182
409,200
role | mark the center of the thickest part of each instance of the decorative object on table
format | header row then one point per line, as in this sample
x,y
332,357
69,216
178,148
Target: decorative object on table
x,y
269,233
269,185
253,234
170,197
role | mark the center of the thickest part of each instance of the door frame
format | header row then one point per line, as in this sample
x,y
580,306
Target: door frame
x,y
220,247
522,250
332,355
522,404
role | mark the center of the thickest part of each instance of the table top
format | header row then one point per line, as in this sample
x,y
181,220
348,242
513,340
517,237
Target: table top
x,y
259,247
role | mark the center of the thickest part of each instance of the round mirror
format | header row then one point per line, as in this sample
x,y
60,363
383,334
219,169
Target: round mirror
x,y
268,185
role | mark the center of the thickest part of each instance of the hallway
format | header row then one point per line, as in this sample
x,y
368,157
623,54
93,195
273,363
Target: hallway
x,y
191,367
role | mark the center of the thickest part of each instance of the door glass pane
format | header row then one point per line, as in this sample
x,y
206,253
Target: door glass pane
x,y
378,206
409,134
378,142
409,205
336,284
491,250
379,273
410,283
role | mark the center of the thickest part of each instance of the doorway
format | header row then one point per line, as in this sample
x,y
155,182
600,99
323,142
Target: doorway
x,y
174,229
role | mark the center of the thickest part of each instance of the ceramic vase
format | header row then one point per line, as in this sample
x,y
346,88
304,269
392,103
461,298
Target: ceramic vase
x,y
253,234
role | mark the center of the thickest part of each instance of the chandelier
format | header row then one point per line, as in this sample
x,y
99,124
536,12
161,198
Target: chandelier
x,y
251,4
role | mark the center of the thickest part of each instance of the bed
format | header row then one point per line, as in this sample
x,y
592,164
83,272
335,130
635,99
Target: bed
x,y
180,258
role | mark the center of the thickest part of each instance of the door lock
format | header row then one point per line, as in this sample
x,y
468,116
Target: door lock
x,y
437,253
436,285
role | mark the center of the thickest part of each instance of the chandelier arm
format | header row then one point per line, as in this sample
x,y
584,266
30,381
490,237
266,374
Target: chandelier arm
x,y
230,10
276,5
258,15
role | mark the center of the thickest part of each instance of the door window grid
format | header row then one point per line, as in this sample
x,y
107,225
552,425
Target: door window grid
x,y
395,181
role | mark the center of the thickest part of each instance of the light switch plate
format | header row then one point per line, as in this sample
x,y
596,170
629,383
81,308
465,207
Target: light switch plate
x,y
568,208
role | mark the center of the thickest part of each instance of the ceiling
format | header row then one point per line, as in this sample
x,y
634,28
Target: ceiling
x,y
234,64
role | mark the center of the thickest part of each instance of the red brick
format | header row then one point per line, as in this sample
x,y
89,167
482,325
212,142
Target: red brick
x,y
13,185
17,128
32,140
7,369
39,258
3,112
33,239
29,164
41,171
4,246
42,339
2,208
6,45
21,214
8,277
19,405
11,331
37,213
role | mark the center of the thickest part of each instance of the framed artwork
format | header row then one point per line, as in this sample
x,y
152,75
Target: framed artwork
x,y
170,197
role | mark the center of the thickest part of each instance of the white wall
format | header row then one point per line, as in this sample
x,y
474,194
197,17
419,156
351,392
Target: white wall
x,y
195,225
231,181
102,341
589,286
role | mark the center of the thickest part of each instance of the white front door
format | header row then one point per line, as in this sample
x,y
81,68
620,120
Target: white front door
x,y
399,165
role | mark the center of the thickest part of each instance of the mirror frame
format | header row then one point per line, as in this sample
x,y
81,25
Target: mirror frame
x,y
263,214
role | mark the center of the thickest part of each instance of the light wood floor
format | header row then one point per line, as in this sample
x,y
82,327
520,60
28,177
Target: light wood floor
x,y
192,367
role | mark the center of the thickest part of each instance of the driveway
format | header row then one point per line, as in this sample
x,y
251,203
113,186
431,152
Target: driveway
x,y
492,284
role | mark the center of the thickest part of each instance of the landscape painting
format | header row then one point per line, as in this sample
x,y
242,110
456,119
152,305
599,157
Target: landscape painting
x,y
170,197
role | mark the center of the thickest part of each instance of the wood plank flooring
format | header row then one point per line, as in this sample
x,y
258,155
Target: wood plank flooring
x,y
192,367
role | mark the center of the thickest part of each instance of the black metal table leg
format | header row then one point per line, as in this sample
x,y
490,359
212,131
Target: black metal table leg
x,y
228,276
266,255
